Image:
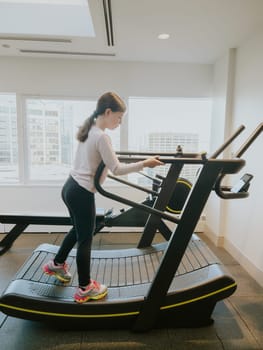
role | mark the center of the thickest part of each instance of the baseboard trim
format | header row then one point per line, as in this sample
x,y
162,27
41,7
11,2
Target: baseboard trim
x,y
218,241
254,271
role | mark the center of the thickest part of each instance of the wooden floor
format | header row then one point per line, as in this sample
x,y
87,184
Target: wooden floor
x,y
238,321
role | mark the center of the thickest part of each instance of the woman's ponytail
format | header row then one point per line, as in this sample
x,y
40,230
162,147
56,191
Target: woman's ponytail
x,y
83,131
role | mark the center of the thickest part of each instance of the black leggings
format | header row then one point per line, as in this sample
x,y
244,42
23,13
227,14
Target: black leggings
x,y
81,205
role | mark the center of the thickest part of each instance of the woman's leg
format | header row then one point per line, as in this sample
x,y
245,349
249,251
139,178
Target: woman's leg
x,y
81,205
70,239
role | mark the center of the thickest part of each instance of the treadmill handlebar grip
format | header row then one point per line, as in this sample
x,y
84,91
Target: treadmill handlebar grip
x,y
224,192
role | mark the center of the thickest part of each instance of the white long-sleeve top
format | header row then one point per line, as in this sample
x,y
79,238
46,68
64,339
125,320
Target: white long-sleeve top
x,y
91,152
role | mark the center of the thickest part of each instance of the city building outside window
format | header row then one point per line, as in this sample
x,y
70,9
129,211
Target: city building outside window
x,y
51,141
8,139
162,124
48,134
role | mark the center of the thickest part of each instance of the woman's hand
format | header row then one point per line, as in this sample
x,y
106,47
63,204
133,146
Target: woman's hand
x,y
152,162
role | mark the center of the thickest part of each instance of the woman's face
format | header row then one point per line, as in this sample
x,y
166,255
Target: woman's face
x,y
113,119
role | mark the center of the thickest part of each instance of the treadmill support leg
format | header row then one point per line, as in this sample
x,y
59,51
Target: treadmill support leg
x,y
11,236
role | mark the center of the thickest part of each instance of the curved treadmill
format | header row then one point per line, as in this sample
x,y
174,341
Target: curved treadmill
x,y
176,283
172,284
198,284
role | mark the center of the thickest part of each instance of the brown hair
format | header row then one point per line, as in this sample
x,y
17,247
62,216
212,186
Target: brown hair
x,y
108,100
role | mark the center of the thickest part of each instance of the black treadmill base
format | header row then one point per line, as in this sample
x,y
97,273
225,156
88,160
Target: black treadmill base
x,y
192,317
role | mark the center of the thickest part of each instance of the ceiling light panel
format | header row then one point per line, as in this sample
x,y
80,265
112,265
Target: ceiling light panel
x,y
43,18
49,2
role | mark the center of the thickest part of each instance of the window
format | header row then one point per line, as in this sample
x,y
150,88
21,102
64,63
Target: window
x,y
161,124
8,139
48,127
51,136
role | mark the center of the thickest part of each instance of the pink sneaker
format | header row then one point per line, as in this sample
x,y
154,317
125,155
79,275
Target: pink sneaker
x,y
59,271
94,291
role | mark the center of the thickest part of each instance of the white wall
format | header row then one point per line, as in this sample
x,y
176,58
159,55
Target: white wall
x,y
238,99
62,77
84,78
244,221
221,129
213,207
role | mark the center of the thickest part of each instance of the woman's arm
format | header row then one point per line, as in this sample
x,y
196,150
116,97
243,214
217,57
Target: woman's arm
x,y
115,166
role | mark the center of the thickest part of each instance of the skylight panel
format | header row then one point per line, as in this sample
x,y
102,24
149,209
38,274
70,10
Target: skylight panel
x,y
46,17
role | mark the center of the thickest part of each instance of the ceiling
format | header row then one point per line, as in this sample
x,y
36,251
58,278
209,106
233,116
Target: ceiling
x,y
200,30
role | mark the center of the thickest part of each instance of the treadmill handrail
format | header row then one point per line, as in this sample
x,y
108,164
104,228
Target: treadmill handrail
x,y
147,190
161,154
197,159
227,142
126,201
229,166
224,192
249,141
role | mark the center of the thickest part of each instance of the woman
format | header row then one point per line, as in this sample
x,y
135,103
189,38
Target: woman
x,y
78,193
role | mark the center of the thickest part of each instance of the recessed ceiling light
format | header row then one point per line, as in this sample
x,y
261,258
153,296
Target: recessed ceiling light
x,y
163,36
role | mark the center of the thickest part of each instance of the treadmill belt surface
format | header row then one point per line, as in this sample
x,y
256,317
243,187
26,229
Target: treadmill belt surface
x,y
117,268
